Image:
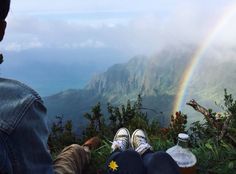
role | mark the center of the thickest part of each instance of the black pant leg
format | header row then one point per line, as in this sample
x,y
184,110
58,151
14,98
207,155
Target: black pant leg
x,y
160,163
126,162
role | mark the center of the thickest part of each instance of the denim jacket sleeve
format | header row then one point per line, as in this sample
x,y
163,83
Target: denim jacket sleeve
x,y
23,130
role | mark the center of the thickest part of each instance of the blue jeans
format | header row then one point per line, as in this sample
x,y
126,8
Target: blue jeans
x,y
23,130
130,162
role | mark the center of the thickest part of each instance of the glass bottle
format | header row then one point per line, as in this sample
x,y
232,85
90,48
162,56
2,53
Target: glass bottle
x,y
185,159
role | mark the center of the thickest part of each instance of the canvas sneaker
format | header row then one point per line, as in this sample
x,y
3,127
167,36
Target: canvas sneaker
x,y
121,140
140,142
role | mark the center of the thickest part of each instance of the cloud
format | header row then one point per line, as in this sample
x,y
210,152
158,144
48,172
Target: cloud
x,y
55,6
92,43
20,46
133,27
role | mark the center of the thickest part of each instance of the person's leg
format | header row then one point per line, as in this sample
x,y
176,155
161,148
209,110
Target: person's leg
x,y
159,163
71,160
125,162
155,163
121,160
74,158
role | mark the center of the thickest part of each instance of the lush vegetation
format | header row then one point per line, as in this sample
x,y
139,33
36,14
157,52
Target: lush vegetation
x,y
213,142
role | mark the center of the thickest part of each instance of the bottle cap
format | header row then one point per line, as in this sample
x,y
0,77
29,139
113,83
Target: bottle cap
x,y
183,136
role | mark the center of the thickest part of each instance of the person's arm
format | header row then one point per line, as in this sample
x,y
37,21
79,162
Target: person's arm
x,y
5,164
28,143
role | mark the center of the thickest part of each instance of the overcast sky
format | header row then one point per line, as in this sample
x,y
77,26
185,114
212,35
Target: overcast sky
x,y
130,26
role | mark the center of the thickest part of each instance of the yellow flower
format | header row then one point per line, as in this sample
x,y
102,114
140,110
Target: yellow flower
x,y
113,166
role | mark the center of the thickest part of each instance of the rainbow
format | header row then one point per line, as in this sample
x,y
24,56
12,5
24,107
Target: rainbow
x,y
197,55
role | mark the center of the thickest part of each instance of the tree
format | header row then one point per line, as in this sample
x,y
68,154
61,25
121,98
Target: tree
x,y
96,125
223,126
214,141
177,125
61,135
112,117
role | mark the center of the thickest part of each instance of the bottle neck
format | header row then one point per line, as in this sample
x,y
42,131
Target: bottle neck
x,y
183,143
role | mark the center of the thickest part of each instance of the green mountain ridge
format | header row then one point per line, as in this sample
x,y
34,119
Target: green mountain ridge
x,y
156,78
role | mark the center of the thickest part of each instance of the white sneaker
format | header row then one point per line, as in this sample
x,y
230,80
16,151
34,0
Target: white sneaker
x,y
121,140
140,142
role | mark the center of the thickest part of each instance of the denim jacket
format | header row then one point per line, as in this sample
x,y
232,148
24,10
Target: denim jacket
x,y
23,130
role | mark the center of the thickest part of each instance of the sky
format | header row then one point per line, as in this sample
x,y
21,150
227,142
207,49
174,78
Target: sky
x,y
123,28
131,26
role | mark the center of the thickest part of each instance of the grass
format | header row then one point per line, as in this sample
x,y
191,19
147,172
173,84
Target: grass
x,y
211,158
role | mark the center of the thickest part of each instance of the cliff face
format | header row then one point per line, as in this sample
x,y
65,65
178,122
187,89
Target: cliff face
x,y
156,78
158,74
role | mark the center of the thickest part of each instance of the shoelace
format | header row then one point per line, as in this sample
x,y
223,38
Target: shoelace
x,y
142,145
120,143
141,140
